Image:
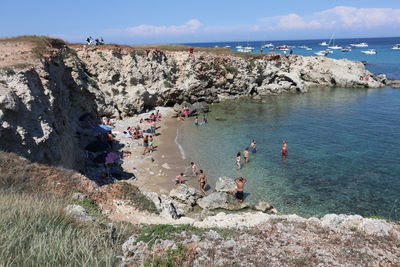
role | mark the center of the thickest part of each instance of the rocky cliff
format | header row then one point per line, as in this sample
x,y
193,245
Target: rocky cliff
x,y
42,99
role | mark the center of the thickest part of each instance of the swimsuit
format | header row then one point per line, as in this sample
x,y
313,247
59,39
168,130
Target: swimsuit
x,y
239,195
284,152
253,150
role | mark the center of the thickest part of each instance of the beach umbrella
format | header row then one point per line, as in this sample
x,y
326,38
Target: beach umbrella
x,y
111,157
97,146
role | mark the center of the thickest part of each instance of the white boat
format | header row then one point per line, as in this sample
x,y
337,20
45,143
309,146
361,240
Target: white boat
x,y
228,46
346,49
239,46
396,47
328,51
321,53
360,45
369,52
244,50
308,48
267,45
323,44
335,47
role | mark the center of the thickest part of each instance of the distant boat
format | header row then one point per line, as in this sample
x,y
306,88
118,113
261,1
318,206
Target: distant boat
x,y
227,46
308,48
396,47
328,51
369,52
346,49
323,44
267,45
239,46
360,45
335,47
321,53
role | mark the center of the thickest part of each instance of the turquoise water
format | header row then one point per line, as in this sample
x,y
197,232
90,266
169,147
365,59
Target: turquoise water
x,y
344,150
385,61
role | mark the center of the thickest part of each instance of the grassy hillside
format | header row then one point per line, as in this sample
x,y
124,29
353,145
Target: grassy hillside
x,y
34,230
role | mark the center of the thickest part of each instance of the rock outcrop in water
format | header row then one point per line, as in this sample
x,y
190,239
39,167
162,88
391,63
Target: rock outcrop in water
x,y
40,104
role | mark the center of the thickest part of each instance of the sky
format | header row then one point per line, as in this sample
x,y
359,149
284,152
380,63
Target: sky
x,y
169,21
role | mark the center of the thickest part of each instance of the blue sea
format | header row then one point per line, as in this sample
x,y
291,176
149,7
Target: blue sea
x,y
344,145
385,61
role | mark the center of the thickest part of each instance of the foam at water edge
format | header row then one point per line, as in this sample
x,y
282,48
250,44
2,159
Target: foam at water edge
x,y
183,154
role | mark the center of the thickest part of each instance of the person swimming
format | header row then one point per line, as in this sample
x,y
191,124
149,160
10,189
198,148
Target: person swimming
x,y
284,151
238,160
196,121
253,147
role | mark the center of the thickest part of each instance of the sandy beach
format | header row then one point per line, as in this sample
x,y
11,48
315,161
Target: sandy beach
x,y
155,171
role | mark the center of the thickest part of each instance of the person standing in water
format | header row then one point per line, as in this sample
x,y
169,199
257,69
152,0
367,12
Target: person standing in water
x,y
202,181
196,121
284,151
246,155
239,195
253,147
194,168
238,160
205,119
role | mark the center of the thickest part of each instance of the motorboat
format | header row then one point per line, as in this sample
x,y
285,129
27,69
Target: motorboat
x,y
308,48
346,49
328,51
245,49
323,44
239,46
267,45
321,53
359,45
396,47
228,46
369,52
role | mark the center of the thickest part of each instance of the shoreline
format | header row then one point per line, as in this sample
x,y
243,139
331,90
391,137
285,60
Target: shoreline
x,y
156,171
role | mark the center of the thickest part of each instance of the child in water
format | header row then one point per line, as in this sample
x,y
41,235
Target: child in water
x,y
253,148
196,121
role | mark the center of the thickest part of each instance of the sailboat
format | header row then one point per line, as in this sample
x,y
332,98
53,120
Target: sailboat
x,y
333,46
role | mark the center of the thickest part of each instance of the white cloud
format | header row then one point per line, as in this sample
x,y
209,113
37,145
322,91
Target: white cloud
x,y
189,27
342,17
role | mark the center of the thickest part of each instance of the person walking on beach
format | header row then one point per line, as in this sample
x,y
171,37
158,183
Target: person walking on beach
x,y
238,161
151,144
202,182
284,151
246,155
239,195
253,147
194,169
146,144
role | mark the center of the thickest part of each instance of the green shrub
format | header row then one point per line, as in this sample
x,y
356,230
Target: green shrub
x,y
152,233
133,81
140,53
9,71
92,82
231,69
174,257
136,198
167,84
90,205
35,232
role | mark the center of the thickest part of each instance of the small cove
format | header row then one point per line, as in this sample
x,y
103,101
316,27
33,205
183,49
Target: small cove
x,y
344,150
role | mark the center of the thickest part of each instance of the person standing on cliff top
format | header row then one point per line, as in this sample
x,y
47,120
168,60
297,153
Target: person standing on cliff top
x,y
202,181
239,195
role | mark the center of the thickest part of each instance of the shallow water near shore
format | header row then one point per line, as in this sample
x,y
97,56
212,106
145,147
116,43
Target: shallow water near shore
x,y
344,150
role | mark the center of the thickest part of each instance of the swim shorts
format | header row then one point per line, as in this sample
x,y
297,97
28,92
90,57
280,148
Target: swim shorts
x,y
239,195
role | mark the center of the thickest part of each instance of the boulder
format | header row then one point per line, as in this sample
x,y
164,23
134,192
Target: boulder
x,y
200,107
186,194
220,200
263,206
225,184
214,201
79,213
